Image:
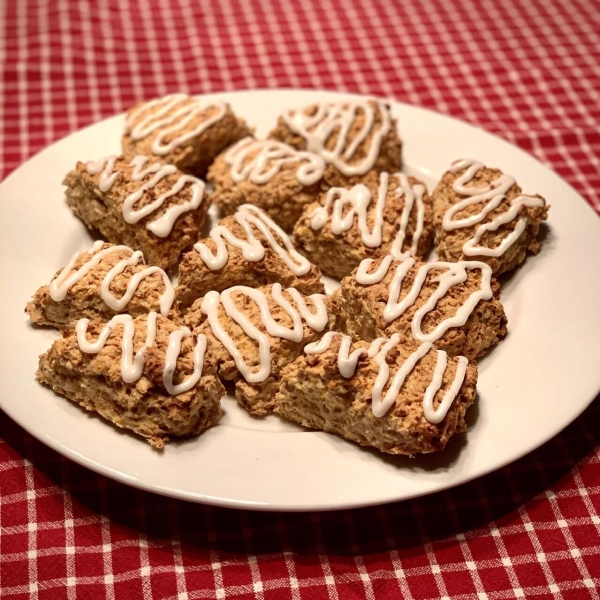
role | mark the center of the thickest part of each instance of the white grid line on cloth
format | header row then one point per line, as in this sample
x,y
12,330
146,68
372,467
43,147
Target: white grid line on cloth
x,y
22,79
196,50
406,594
108,54
288,557
429,552
177,552
448,567
89,57
152,41
261,45
358,560
463,545
31,530
317,31
172,42
67,64
257,582
133,62
143,547
330,584
109,578
299,37
69,549
283,583
229,15
211,28
44,64
278,39
535,541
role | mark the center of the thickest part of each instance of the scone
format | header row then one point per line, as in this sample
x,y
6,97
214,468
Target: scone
x,y
145,205
386,214
354,137
455,306
246,248
393,395
183,131
145,374
98,284
271,175
253,333
481,214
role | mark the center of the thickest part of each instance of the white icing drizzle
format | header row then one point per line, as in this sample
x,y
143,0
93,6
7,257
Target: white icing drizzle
x,y
378,351
173,350
174,113
132,364
492,195
316,320
68,277
339,118
163,225
106,168
347,361
356,201
252,249
269,157
453,274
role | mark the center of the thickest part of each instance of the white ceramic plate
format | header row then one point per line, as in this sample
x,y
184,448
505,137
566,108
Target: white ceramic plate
x,y
531,386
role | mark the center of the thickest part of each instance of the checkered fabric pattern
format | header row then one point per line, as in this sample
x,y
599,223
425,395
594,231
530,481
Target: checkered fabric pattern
x,y
527,70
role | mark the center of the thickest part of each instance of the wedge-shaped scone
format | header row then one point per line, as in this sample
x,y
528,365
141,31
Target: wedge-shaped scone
x,y
145,374
253,333
354,137
453,305
386,214
246,248
183,131
271,175
481,214
145,205
98,284
392,394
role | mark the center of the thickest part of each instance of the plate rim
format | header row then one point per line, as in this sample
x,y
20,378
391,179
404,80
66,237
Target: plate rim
x,y
245,504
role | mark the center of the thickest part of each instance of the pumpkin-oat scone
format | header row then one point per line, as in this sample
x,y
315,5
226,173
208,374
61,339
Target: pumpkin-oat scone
x,y
385,214
354,136
392,394
271,175
147,206
253,333
183,131
455,306
105,281
147,375
246,248
481,214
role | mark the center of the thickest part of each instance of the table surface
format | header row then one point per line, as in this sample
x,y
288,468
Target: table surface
x,y
527,70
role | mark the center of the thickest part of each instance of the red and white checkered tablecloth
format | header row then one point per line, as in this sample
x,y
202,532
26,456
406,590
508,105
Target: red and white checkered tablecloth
x,y
525,69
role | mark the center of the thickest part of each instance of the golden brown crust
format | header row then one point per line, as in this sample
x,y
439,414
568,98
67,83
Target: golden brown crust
x,y
390,152
94,381
314,394
196,279
339,254
103,211
83,299
450,243
359,311
283,198
195,155
256,398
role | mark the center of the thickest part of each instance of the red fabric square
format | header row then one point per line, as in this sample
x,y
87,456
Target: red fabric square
x,y
89,564
51,567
